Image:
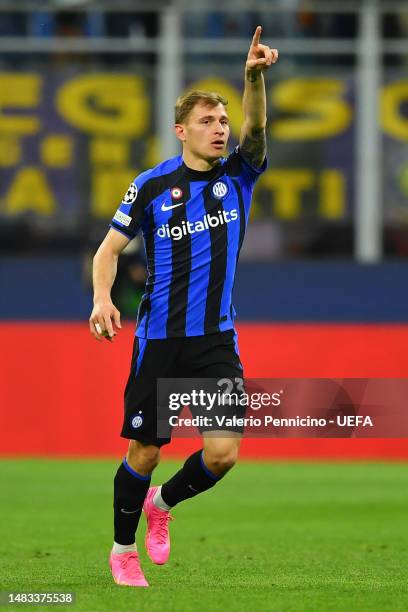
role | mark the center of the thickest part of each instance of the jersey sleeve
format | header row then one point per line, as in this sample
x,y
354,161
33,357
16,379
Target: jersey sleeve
x,y
129,216
240,167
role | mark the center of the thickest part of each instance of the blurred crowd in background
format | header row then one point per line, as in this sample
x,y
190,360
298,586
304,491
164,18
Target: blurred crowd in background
x,y
297,20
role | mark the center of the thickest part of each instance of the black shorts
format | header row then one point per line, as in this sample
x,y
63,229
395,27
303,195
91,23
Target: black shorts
x,y
212,356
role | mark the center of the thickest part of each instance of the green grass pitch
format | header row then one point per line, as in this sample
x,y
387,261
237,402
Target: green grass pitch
x,y
279,536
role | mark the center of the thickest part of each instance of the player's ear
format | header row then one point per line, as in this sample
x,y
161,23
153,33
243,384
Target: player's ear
x,y
180,132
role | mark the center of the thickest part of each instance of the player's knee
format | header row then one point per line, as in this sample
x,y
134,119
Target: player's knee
x,y
220,460
143,458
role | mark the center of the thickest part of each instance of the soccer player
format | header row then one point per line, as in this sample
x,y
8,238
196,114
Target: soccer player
x,y
193,210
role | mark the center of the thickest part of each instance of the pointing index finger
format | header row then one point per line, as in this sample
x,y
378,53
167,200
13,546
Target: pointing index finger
x,y
257,36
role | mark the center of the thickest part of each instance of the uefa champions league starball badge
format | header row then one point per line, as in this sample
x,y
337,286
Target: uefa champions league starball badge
x,y
131,194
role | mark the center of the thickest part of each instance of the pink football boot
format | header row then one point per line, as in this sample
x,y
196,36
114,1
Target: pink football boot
x,y
157,536
126,569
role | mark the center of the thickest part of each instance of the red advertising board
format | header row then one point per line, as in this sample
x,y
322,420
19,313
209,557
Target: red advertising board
x,y
61,391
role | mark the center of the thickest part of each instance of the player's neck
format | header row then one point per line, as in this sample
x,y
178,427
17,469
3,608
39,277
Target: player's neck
x,y
198,163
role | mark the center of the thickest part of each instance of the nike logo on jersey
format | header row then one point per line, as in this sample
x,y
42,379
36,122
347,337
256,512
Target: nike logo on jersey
x,y
165,207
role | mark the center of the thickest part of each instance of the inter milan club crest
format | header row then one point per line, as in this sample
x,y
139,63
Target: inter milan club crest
x,y
131,194
137,420
219,190
176,193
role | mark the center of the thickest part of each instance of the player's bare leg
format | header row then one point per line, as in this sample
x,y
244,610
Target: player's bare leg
x,y
221,453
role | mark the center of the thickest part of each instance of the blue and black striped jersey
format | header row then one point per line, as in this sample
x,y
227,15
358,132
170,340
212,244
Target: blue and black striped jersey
x,y
193,225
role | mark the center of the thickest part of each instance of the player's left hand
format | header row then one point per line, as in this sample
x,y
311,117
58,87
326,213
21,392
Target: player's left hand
x,y
260,57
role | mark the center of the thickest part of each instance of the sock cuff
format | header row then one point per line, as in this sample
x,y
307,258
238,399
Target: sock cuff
x,y
120,549
133,472
209,473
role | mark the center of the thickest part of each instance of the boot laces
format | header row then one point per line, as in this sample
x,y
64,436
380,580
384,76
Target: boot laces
x,y
128,558
163,526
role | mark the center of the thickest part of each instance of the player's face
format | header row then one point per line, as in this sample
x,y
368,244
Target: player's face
x,y
205,132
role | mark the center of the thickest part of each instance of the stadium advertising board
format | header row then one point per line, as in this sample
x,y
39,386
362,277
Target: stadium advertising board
x,y
72,141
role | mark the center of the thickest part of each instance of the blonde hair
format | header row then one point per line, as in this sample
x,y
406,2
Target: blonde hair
x,y
186,102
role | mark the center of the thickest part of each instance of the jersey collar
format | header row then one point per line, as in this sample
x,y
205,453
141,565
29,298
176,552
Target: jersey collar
x,y
201,175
